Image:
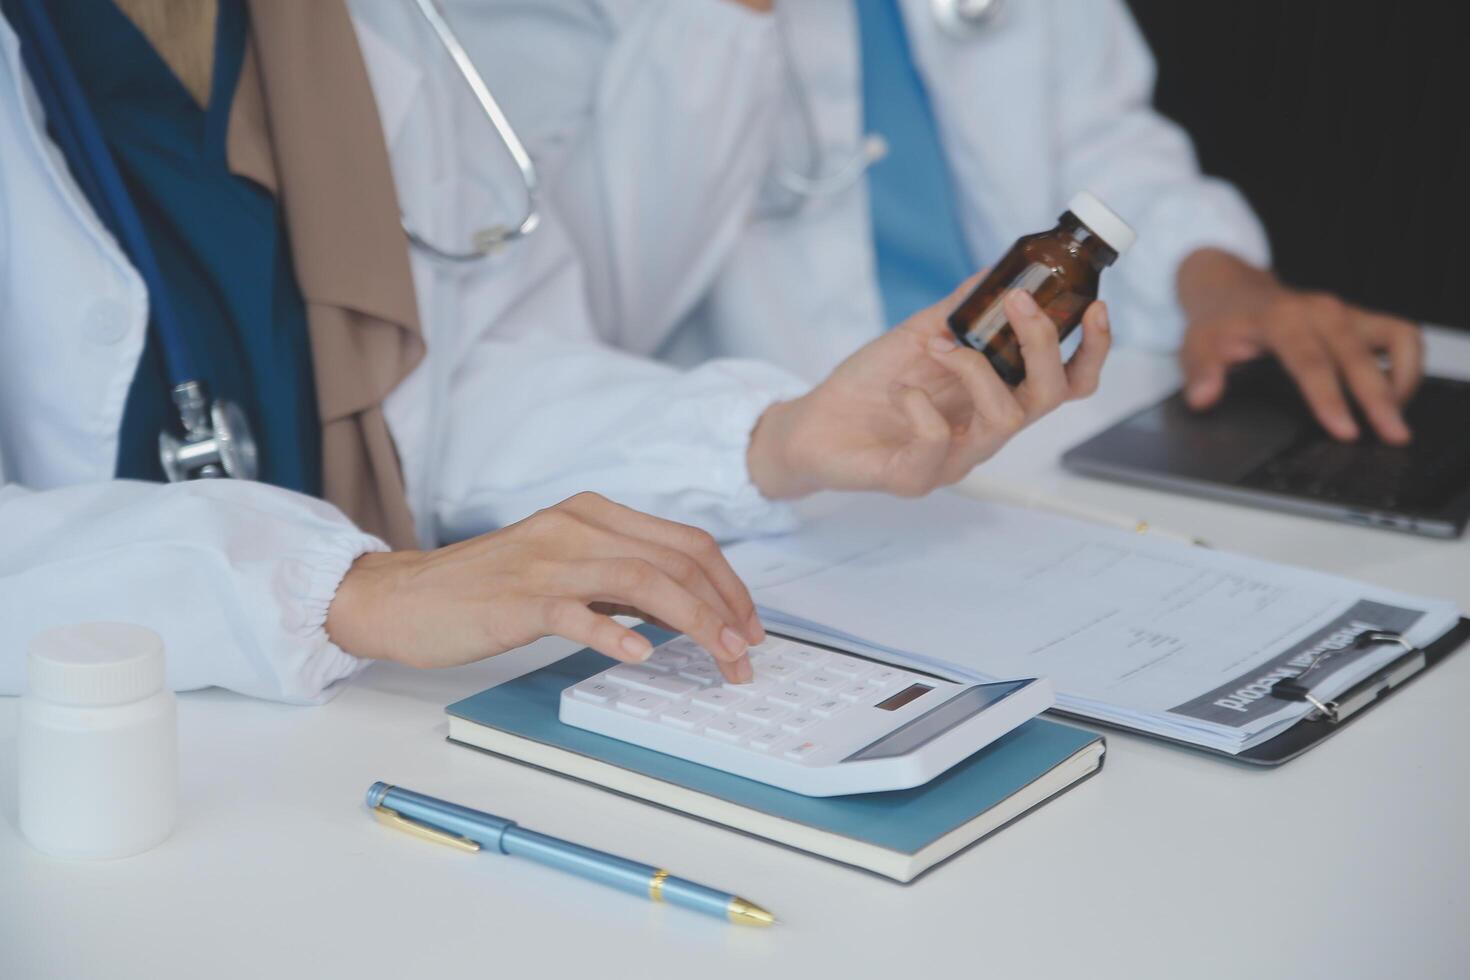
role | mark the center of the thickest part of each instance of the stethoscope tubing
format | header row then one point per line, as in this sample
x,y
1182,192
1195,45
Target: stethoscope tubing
x,y
77,128
486,240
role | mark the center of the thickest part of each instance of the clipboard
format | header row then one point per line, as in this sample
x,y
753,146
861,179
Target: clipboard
x,y
1317,727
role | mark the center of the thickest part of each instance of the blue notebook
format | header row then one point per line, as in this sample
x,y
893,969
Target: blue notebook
x,y
898,834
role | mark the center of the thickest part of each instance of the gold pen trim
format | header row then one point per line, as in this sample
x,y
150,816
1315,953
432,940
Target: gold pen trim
x,y
656,885
396,820
746,913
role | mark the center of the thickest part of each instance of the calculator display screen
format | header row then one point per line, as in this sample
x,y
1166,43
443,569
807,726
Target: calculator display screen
x,y
896,701
936,721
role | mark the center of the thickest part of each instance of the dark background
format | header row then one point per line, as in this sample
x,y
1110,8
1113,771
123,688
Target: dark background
x,y
1344,123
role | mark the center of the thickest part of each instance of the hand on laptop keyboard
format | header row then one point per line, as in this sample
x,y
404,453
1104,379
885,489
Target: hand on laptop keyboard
x,y
1330,348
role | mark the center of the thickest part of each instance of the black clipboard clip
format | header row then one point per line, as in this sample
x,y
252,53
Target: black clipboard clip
x,y
1298,688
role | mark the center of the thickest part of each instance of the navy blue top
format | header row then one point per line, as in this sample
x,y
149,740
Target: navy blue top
x,y
219,241
917,236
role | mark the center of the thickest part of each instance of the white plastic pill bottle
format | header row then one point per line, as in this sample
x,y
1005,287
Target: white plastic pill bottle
x,y
97,743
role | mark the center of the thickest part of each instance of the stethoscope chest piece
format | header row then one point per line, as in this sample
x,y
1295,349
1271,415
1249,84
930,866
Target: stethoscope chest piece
x,y
965,18
216,443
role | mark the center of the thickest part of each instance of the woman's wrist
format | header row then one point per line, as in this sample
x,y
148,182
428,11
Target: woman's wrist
x,y
1211,280
357,607
770,457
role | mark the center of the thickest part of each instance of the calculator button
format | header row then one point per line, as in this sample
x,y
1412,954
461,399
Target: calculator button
x,y
685,647
779,668
640,678
798,722
636,677
806,656
674,687
668,659
861,691
641,705
827,707
762,711
701,672
791,697
885,677
597,692
685,716
766,740
847,667
718,699
731,729
802,750
821,681
760,685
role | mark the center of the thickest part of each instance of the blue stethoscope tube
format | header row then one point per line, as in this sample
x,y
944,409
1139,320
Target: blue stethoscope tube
x,y
216,439
216,434
81,137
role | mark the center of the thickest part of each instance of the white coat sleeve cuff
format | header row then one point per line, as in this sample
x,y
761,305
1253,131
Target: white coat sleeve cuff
x,y
745,511
235,576
306,586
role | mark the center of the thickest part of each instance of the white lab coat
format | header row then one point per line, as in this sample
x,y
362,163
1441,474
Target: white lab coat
x,y
1053,98
649,120
514,407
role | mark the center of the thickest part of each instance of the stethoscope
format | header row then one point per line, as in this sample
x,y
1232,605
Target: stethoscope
x,y
959,19
963,19
487,240
217,441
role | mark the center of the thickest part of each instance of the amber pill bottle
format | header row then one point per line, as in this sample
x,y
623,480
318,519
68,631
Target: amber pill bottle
x,y
1060,268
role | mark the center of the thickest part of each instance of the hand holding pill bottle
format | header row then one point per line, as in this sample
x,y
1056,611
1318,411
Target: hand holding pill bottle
x,y
1060,268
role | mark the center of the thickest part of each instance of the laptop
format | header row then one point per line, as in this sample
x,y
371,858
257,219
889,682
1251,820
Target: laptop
x,y
1261,446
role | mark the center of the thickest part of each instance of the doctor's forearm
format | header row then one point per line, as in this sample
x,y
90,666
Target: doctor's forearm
x,y
755,4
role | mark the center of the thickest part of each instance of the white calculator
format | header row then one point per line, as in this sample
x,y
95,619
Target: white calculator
x,y
814,721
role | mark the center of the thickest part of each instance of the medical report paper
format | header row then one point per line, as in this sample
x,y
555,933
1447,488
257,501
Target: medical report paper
x,y
1133,630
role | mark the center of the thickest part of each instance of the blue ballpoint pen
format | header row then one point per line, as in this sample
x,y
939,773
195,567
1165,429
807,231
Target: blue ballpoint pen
x,y
471,830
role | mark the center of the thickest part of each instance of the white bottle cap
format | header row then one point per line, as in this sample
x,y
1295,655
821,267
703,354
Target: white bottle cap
x,y
95,664
1103,221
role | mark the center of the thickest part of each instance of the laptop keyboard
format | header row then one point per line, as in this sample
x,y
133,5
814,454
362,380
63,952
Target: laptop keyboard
x,y
1420,476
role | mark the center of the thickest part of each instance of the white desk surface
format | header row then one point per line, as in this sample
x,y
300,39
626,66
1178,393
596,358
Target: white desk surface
x,y
1351,861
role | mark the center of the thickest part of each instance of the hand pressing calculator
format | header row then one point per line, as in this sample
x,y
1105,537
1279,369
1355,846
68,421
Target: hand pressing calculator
x,y
814,721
